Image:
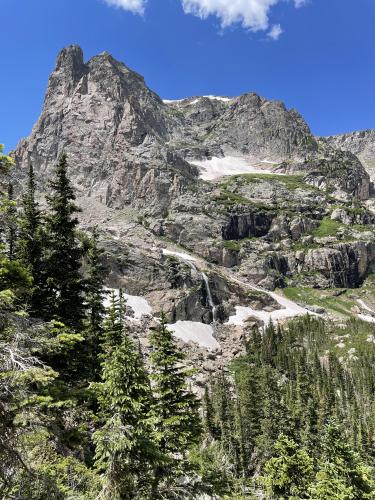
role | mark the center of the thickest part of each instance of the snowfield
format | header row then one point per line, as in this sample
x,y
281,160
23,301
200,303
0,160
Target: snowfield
x,y
188,331
139,305
213,97
180,255
218,98
368,319
289,310
193,331
364,306
229,165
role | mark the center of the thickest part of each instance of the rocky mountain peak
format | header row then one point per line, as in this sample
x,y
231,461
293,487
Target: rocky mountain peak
x,y
70,57
129,147
70,68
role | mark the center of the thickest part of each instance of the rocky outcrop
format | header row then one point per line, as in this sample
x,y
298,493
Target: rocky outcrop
x,y
339,172
283,226
353,216
345,265
361,143
245,225
247,124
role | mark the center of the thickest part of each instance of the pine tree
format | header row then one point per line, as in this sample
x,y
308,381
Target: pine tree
x,y
30,246
95,295
208,415
11,221
124,449
15,281
341,469
175,408
114,320
65,283
95,292
226,413
6,164
289,472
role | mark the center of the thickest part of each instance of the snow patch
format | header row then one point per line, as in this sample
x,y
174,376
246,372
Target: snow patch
x,y
365,317
289,309
139,305
365,306
193,331
229,165
218,98
170,101
180,255
213,97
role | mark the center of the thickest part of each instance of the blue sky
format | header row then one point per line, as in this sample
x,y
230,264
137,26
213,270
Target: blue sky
x,y
315,55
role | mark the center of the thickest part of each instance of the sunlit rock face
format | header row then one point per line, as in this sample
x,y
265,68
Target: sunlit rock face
x,y
127,146
205,205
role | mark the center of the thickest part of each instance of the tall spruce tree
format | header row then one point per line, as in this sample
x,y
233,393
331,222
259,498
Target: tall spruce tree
x,y
95,293
176,408
341,473
6,163
124,448
289,472
30,246
65,283
11,224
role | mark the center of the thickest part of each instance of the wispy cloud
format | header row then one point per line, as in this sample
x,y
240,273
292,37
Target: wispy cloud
x,y
275,32
300,3
135,6
250,14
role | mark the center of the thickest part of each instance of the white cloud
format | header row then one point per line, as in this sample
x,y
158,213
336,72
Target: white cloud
x,y
251,14
275,32
135,6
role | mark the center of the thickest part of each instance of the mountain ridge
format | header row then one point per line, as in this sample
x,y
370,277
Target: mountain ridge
x,y
206,205
120,134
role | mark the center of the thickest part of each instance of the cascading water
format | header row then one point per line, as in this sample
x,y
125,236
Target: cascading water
x,y
208,289
209,296
188,259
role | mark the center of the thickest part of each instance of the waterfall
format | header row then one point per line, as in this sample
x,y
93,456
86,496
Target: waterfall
x,y
208,289
189,260
209,296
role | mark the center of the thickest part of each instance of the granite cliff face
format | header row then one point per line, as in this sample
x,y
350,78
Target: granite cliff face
x,y
129,147
113,128
361,143
206,205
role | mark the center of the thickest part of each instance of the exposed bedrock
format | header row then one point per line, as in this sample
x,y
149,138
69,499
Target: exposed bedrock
x,y
345,265
247,225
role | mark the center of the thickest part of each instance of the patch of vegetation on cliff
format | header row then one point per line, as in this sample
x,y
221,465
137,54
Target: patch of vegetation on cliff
x,y
229,200
231,245
327,227
333,300
292,181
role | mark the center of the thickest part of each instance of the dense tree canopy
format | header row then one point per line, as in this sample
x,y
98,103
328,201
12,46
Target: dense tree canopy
x,y
87,413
